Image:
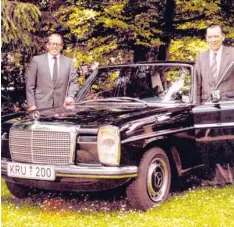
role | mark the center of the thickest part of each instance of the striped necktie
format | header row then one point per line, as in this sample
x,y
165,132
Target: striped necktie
x,y
214,70
55,70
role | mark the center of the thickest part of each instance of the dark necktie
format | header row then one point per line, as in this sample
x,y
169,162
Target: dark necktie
x,y
214,68
55,70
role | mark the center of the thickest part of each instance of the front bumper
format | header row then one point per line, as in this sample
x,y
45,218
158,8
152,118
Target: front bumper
x,y
87,171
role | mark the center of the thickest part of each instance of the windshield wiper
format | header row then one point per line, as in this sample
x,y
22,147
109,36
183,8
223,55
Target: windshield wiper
x,y
116,99
130,99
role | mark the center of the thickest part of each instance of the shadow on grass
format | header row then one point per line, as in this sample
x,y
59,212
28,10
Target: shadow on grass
x,y
112,200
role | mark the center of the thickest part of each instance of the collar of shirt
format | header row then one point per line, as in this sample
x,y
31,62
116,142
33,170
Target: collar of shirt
x,y
218,57
51,63
51,57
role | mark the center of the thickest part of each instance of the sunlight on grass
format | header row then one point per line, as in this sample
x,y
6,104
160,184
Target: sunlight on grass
x,y
198,207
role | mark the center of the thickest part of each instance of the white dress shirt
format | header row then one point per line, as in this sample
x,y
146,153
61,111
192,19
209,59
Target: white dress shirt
x,y
51,63
218,58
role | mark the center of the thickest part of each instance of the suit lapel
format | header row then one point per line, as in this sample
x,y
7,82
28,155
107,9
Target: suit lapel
x,y
208,58
206,61
47,68
224,61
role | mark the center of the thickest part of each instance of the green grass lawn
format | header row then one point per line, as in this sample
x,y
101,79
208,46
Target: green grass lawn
x,y
195,207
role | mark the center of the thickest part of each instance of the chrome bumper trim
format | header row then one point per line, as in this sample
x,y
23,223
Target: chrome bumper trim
x,y
89,171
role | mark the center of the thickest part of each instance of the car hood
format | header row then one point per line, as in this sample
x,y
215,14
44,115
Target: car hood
x,y
121,117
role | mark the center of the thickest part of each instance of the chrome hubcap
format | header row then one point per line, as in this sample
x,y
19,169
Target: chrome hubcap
x,y
157,179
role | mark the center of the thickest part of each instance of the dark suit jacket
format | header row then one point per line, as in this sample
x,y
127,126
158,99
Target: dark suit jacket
x,y
40,89
205,82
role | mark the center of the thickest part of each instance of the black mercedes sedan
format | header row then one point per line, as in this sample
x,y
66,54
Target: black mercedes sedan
x,y
135,125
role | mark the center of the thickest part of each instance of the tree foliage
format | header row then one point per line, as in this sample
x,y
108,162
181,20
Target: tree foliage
x,y
19,19
147,28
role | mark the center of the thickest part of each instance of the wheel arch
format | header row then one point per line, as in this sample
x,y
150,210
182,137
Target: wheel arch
x,y
170,150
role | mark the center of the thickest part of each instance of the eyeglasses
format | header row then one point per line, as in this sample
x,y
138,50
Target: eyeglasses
x,y
55,44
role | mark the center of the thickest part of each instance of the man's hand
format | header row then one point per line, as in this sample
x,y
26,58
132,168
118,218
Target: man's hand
x,y
30,108
69,103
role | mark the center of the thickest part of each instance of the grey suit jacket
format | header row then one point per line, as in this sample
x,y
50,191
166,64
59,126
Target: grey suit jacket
x,y
205,82
40,89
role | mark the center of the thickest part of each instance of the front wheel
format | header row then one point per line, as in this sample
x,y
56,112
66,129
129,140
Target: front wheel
x,y
152,185
18,190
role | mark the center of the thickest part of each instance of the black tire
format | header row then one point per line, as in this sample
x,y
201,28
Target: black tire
x,y
153,182
18,190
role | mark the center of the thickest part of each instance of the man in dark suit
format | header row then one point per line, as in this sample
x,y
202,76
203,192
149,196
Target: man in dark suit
x,y
212,64
51,80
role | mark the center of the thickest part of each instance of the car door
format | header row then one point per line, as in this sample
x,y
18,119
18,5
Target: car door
x,y
214,124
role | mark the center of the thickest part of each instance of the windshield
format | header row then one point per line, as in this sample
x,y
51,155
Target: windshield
x,y
149,83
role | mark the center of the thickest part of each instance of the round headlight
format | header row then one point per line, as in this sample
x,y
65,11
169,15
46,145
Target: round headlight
x,y
109,145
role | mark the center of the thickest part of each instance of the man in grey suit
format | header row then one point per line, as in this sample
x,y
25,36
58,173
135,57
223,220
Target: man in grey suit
x,y
212,64
210,67
51,80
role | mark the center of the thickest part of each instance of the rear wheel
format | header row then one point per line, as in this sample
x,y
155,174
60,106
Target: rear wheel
x,y
18,190
152,185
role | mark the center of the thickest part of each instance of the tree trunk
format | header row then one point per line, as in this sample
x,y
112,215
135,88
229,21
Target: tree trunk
x,y
161,52
167,30
140,53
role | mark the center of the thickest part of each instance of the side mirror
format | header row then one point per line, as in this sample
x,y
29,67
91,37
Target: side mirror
x,y
215,96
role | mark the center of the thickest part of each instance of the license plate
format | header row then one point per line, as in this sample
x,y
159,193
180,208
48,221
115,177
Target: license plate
x,y
31,171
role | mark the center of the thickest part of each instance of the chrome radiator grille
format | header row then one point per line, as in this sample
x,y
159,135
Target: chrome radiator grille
x,y
42,146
